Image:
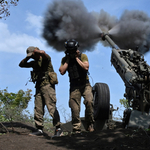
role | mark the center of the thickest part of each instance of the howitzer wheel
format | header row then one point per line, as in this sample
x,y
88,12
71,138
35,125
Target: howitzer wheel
x,y
101,96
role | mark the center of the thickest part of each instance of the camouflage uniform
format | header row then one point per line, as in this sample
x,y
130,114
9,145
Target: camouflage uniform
x,y
79,86
45,92
45,95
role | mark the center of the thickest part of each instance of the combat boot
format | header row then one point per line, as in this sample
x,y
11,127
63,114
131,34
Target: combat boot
x,y
58,132
39,132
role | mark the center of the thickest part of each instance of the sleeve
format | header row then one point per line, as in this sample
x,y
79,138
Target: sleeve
x,y
84,58
63,61
48,58
26,64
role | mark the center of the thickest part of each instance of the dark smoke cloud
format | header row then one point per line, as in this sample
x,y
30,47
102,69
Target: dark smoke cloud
x,y
133,29
67,19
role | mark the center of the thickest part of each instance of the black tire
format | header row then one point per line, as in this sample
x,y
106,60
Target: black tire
x,y
101,99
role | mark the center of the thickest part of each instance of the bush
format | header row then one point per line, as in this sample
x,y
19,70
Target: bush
x,y
13,105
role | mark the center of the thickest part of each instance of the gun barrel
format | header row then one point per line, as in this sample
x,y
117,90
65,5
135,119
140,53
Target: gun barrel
x,y
109,40
122,67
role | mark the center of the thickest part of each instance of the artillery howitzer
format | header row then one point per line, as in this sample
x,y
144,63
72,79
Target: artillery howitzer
x,y
135,73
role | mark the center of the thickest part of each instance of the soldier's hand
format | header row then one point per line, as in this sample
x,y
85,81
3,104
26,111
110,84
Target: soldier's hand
x,y
77,53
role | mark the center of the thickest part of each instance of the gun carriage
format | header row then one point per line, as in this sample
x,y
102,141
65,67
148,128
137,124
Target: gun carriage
x,y
135,73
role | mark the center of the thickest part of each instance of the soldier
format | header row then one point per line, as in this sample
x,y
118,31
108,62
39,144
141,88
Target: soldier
x,y
45,91
77,66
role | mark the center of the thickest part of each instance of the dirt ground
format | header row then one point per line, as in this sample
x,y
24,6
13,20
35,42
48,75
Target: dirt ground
x,y
108,139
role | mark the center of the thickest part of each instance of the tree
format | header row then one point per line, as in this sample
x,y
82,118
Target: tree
x,y
4,7
13,104
124,102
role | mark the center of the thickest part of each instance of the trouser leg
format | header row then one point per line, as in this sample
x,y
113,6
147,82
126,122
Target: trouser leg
x,y
49,96
74,104
38,110
88,102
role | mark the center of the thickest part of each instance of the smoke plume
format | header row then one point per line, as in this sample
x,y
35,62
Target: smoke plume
x,y
67,19
133,29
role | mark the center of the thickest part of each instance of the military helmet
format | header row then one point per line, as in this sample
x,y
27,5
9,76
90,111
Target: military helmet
x,y
71,45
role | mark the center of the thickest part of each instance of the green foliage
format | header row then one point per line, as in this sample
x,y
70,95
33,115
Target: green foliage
x,y
4,7
14,100
12,105
2,118
124,102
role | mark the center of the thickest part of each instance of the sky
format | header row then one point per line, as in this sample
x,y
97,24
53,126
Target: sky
x,y
23,28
